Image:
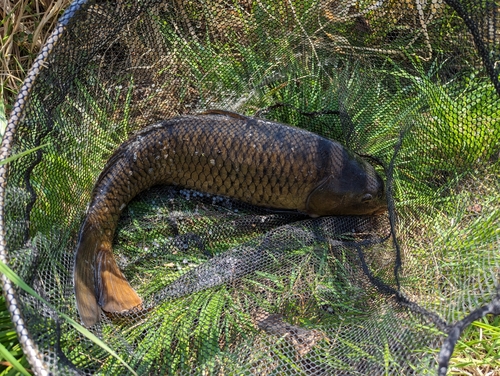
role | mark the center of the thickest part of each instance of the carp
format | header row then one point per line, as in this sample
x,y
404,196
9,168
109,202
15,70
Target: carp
x,y
256,161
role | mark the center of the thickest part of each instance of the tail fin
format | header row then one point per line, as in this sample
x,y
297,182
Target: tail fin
x,y
114,293
83,274
98,280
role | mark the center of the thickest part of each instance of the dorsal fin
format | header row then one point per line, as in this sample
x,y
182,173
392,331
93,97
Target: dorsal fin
x,y
233,115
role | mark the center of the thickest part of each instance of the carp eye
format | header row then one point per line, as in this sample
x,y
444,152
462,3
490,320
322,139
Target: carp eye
x,y
366,197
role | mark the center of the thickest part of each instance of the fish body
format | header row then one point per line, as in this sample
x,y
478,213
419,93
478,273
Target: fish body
x,y
256,161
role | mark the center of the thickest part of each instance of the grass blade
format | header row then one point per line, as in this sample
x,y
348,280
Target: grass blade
x,y
3,119
12,360
17,156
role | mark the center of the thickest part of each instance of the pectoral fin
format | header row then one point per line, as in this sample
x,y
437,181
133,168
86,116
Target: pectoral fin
x,y
322,200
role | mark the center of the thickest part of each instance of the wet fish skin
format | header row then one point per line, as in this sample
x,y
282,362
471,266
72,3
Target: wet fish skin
x,y
256,161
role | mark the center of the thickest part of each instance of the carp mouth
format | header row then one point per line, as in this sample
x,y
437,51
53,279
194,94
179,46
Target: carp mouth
x,y
380,210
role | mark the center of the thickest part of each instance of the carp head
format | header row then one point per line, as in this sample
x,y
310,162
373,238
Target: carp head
x,y
352,188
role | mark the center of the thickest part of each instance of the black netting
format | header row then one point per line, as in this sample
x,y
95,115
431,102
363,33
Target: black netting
x,y
228,286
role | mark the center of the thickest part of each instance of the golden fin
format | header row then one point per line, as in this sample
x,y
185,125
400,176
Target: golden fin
x,y
114,293
83,275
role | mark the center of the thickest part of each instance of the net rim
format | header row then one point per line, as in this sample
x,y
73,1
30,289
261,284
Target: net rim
x,y
30,349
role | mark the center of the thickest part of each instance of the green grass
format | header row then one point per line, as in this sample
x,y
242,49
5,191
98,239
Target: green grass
x,y
13,361
477,351
179,321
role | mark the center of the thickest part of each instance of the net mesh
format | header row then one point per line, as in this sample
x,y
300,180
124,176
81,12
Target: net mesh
x,y
230,288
